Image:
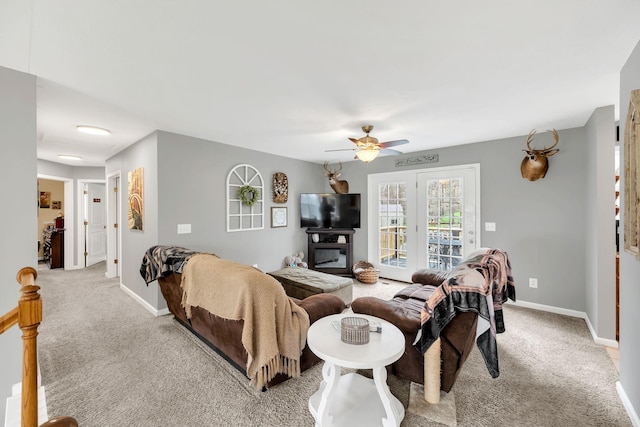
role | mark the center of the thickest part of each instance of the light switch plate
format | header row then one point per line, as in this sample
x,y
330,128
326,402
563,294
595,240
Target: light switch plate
x,y
184,228
489,226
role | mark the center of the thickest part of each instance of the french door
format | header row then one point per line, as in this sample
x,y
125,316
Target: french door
x,y
425,218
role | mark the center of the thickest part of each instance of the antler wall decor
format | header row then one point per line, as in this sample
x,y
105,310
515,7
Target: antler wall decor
x,y
536,164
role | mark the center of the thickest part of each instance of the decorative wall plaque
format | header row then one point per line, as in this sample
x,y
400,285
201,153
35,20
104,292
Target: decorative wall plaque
x,y
409,161
245,199
280,187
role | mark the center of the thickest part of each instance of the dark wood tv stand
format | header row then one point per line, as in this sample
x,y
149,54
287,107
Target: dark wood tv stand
x,y
330,254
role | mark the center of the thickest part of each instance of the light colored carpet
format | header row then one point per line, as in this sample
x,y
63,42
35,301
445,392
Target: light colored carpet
x,y
107,361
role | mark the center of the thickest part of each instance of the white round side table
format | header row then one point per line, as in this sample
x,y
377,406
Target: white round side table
x,y
352,399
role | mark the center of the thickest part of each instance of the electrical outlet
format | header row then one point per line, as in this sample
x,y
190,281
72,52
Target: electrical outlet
x,y
533,282
184,228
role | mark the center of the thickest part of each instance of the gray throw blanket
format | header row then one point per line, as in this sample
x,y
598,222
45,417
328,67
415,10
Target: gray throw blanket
x,y
161,260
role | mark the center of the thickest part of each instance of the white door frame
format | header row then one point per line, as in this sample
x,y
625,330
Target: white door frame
x,y
114,233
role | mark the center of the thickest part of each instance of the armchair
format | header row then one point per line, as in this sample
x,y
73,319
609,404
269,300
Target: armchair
x,y
453,309
403,310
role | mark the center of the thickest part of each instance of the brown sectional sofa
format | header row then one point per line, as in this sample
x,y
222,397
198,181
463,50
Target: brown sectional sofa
x,y
225,336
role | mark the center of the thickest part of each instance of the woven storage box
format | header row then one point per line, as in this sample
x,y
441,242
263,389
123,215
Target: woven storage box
x,y
365,272
354,330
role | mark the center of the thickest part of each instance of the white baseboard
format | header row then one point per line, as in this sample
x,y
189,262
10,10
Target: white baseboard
x,y
602,341
549,308
144,303
573,313
635,419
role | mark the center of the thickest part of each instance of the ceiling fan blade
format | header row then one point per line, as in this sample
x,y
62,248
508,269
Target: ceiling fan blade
x,y
393,143
355,141
341,149
390,152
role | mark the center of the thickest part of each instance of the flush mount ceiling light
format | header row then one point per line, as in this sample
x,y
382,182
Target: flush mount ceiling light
x,y
367,154
69,157
92,130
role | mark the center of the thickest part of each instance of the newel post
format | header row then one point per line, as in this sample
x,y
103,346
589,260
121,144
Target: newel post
x,y
29,318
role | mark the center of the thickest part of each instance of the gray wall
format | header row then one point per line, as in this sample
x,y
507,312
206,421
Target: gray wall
x,y
185,181
193,175
143,154
60,170
600,248
19,189
540,224
629,265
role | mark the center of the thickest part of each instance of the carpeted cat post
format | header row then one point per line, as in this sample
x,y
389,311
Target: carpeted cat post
x,y
429,401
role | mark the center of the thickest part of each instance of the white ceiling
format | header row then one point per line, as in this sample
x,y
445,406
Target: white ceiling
x,y
296,78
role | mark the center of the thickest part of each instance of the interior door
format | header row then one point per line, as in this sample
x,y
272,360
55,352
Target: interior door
x,y
95,224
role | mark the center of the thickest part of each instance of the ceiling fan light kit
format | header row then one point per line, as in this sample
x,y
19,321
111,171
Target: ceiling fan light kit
x,y
367,154
368,147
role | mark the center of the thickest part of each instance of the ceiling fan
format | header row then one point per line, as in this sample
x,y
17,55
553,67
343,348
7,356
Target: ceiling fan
x,y
368,147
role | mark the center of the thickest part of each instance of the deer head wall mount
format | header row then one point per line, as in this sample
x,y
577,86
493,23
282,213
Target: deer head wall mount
x,y
536,164
339,186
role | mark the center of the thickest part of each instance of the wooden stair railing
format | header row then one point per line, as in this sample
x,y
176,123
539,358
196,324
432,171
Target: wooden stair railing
x,y
28,315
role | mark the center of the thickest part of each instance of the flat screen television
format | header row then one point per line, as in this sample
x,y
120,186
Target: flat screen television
x,y
329,210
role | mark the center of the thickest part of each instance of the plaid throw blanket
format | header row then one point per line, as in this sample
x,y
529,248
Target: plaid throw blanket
x,y
162,260
481,283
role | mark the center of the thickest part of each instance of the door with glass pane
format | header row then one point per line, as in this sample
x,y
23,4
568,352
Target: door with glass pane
x,y
447,216
422,219
391,216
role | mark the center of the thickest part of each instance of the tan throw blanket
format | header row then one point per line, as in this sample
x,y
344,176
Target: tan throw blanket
x,y
275,328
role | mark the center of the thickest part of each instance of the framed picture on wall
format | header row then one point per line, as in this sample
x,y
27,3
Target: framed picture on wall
x,y
45,199
135,214
632,177
278,217
56,204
